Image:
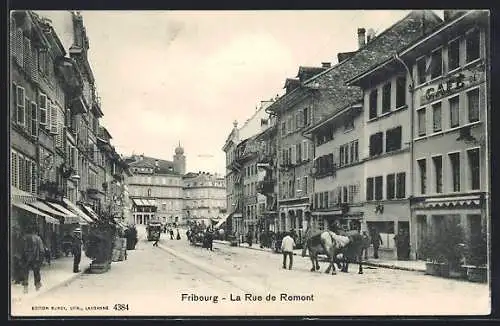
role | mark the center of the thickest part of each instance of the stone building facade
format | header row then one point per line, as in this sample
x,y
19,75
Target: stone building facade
x,y
446,118
314,97
204,197
54,119
155,189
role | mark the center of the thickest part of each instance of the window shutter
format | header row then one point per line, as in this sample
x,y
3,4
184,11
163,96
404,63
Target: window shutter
x,y
29,180
49,114
53,119
13,169
60,128
293,155
303,150
13,110
34,119
20,105
310,150
19,47
27,114
27,55
34,64
43,110
21,172
12,37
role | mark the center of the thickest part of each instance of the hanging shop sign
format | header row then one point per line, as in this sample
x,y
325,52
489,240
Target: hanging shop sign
x,y
452,84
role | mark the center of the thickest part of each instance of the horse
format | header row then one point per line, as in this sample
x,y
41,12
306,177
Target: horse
x,y
340,249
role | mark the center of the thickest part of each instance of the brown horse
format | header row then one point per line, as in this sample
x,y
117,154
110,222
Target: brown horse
x,y
340,249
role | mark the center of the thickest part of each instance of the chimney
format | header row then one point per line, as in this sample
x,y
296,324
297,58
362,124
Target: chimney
x,y
326,65
361,37
370,35
142,156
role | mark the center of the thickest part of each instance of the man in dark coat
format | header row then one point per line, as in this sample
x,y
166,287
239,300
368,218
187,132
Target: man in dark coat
x,y
76,249
249,238
376,241
33,251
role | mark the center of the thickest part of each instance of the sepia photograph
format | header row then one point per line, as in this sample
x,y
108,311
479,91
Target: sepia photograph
x,y
249,163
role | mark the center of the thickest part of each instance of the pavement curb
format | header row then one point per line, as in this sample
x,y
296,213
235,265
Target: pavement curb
x,y
46,290
64,283
409,269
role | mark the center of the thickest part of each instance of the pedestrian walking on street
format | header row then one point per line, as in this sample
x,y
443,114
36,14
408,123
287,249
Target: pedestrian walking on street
x,y
155,244
249,238
366,244
376,241
33,251
178,235
76,249
287,246
171,233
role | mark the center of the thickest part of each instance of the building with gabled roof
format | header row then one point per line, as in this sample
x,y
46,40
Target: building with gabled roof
x,y
445,124
320,95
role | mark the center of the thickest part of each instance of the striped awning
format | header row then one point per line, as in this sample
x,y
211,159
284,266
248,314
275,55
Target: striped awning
x,y
120,223
90,211
70,218
144,202
33,210
46,208
77,210
221,221
451,202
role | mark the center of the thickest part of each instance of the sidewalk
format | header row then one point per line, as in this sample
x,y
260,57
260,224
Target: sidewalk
x,y
59,273
411,265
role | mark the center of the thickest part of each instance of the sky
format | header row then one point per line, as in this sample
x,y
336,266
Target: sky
x,y
166,77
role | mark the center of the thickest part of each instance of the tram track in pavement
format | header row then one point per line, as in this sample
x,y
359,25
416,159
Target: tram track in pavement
x,y
218,273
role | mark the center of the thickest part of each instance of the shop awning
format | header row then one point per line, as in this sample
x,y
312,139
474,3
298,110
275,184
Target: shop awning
x,y
90,211
46,208
451,201
326,213
120,223
144,202
221,221
48,218
77,210
71,218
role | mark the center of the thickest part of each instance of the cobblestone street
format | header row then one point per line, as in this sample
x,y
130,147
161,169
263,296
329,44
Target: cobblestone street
x,y
152,280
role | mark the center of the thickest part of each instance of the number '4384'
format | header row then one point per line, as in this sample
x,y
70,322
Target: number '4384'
x,y
120,306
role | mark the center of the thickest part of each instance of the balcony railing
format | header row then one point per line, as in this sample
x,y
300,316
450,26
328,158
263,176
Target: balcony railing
x,y
323,171
265,158
52,188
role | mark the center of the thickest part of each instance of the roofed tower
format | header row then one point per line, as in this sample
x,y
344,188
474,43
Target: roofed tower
x,y
180,160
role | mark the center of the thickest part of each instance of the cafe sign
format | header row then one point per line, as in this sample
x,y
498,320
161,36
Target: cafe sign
x,y
452,84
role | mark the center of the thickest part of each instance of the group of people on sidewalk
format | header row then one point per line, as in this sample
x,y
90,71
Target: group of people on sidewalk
x,y
31,254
